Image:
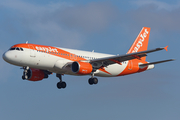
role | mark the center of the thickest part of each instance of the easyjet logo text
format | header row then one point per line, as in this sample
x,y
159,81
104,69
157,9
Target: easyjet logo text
x,y
140,41
48,49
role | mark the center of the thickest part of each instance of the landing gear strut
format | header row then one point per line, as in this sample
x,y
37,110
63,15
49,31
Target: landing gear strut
x,y
60,84
93,80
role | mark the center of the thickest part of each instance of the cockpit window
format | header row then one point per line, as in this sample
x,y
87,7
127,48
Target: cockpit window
x,y
12,49
16,48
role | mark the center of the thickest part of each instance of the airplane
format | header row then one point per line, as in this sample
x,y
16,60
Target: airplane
x,y
40,61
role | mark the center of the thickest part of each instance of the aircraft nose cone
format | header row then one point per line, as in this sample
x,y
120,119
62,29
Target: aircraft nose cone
x,y
6,56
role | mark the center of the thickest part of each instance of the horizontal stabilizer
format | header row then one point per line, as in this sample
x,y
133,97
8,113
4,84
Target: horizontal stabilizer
x,y
156,62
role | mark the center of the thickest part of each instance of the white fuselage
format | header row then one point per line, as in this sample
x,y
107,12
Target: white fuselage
x,y
52,62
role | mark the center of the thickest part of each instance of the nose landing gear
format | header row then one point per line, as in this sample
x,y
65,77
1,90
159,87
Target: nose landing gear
x,y
26,73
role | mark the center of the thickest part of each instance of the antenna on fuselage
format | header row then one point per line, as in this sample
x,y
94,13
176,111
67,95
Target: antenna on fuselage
x,y
26,42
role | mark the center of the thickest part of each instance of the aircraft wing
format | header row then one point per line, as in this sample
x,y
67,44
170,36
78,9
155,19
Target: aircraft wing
x,y
97,63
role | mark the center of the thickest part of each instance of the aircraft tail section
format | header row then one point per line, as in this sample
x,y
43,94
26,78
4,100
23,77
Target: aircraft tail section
x,y
141,42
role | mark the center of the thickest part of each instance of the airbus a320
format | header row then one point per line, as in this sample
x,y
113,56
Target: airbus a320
x,y
40,61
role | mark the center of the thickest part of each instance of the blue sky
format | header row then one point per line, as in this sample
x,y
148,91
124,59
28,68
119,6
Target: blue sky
x,y
103,26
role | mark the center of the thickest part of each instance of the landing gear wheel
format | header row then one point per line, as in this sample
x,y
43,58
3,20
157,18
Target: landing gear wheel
x,y
23,77
93,81
61,85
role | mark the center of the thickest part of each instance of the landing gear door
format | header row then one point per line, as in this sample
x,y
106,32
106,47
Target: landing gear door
x,y
32,51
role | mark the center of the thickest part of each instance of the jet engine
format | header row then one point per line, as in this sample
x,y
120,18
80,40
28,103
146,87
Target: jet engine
x,y
34,74
82,68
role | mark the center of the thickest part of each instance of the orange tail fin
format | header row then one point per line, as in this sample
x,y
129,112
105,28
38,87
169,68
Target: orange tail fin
x,y
141,42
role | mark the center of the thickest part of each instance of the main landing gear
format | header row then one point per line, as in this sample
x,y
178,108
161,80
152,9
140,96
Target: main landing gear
x,y
93,80
60,84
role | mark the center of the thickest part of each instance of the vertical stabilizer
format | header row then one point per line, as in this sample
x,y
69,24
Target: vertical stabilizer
x,y
141,42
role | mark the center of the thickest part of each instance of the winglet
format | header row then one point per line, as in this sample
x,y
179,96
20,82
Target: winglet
x,y
166,48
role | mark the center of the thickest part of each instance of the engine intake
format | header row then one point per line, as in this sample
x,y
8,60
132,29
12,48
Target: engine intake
x,y
82,68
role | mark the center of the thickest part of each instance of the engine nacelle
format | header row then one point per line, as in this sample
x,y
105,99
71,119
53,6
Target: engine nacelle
x,y
34,75
82,68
